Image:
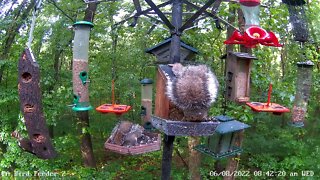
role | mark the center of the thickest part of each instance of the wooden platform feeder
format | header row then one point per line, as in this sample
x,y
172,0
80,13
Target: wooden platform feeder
x,y
31,106
238,76
162,52
115,142
222,143
167,117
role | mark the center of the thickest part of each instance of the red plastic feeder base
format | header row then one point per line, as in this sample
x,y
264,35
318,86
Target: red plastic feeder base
x,y
264,107
117,109
134,150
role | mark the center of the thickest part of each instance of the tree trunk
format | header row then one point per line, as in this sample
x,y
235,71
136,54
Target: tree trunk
x,y
13,30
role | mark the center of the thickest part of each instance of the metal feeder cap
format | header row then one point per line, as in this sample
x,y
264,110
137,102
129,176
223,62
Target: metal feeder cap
x,y
307,64
146,81
83,23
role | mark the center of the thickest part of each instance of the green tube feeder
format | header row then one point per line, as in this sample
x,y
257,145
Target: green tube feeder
x,y
146,100
303,86
80,106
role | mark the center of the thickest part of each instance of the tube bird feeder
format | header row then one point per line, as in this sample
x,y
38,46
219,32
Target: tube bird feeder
x,y
146,102
80,69
303,86
298,19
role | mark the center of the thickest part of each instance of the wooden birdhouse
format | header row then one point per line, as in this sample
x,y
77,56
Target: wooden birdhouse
x,y
238,76
222,143
163,107
162,52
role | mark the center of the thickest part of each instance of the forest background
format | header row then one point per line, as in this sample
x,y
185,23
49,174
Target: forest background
x,y
269,145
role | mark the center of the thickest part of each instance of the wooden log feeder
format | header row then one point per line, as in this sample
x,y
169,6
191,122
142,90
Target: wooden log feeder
x,y
298,19
132,139
238,76
39,142
222,143
80,71
303,86
162,51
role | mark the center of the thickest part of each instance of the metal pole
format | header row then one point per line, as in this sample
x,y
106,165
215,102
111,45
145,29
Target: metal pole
x,y
176,22
174,58
167,156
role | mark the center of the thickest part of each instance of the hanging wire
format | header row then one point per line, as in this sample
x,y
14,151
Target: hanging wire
x,y
114,37
34,17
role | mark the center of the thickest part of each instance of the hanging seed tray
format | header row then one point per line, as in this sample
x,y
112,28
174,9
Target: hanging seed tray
x,y
153,145
184,128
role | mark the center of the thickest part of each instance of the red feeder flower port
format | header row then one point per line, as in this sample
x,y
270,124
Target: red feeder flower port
x,y
276,109
252,36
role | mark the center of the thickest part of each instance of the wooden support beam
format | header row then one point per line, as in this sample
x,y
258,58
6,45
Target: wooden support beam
x,y
196,15
160,14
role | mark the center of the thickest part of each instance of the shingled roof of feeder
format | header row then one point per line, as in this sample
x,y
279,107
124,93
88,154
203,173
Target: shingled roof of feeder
x,y
230,126
165,42
243,55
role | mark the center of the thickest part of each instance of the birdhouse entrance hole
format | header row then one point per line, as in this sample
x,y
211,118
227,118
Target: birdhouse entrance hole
x,y
26,77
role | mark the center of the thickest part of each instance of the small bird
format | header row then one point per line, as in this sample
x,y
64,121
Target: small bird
x,y
193,90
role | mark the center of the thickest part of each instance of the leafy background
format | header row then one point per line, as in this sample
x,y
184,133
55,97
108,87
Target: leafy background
x,y
269,145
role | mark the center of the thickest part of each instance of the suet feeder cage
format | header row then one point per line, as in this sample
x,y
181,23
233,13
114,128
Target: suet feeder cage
x,y
168,118
238,76
298,19
80,66
222,143
162,52
303,86
131,139
276,109
146,100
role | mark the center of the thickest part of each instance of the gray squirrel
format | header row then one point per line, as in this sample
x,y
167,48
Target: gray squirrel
x,y
193,90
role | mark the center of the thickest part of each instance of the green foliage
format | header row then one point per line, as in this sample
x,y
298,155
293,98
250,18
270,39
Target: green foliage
x,y
269,145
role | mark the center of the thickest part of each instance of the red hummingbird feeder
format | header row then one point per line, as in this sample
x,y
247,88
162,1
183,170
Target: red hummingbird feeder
x,y
253,34
268,106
